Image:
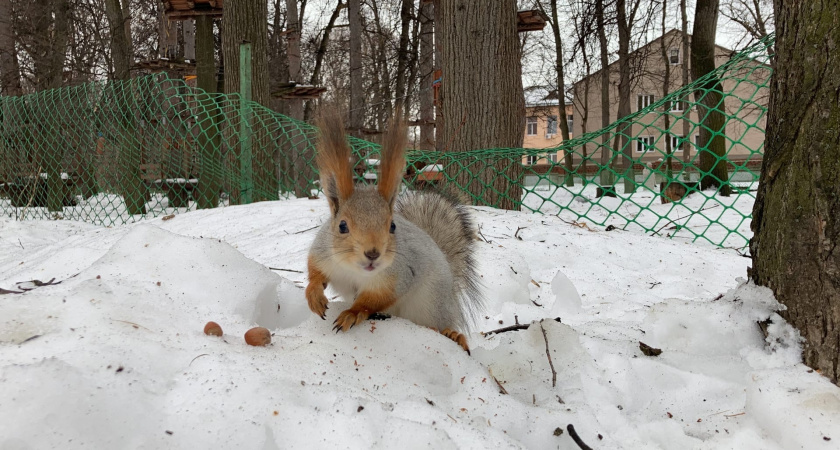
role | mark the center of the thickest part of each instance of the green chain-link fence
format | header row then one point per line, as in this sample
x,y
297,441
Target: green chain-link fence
x,y
115,152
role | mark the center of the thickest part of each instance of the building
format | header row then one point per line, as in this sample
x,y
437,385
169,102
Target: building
x,y
745,91
542,127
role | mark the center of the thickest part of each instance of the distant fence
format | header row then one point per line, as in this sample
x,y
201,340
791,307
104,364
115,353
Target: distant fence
x,y
115,152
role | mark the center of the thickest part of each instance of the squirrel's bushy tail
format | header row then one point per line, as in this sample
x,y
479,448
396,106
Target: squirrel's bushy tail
x,y
451,226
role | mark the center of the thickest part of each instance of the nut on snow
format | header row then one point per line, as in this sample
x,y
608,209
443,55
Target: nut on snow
x,y
258,337
212,329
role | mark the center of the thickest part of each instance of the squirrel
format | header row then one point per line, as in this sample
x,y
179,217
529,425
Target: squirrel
x,y
408,255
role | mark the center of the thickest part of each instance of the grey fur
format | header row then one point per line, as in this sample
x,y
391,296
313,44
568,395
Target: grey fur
x,y
436,281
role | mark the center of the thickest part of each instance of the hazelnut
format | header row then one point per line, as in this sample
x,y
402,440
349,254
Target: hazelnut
x,y
212,329
258,337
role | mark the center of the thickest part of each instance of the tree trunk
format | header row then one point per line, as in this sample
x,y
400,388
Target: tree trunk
x,y
293,52
382,74
402,52
440,144
427,65
666,85
624,27
56,148
686,108
414,56
483,102
357,94
796,218
315,79
128,155
209,140
296,150
9,65
607,176
247,21
712,146
563,121
120,41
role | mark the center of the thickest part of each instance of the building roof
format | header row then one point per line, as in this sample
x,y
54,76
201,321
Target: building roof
x,y
536,96
645,47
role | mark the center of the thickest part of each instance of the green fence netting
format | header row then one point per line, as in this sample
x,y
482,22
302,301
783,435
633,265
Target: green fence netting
x,y
115,152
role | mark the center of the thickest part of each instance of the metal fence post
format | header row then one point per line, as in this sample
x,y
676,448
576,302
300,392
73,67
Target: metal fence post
x,y
245,132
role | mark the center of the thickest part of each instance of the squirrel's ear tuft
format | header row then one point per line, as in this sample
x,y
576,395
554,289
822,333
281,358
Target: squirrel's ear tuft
x,y
392,162
333,158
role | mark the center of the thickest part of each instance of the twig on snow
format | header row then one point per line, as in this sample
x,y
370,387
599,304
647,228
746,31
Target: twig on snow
x,y
199,356
656,233
516,327
523,326
482,234
502,389
550,362
286,270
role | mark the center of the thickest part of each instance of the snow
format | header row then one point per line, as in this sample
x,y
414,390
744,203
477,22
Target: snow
x,y
114,356
701,217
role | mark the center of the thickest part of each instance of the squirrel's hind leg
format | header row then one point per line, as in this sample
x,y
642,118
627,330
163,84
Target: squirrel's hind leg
x,y
459,338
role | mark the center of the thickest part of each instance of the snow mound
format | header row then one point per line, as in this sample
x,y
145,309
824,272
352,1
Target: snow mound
x,y
113,355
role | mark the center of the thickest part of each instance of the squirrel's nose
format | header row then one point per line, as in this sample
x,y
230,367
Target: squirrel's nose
x,y
372,254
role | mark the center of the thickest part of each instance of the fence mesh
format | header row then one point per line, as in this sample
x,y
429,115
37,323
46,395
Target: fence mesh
x,y
115,152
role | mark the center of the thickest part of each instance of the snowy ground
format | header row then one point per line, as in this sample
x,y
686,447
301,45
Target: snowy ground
x,y
114,356
701,217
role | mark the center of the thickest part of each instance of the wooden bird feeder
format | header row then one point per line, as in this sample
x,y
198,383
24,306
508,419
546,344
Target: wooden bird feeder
x,y
182,67
298,91
533,20
190,9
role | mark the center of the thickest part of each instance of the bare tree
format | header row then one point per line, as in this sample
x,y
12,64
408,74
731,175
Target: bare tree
x,y
685,72
561,85
666,84
9,65
754,16
403,57
120,40
323,44
710,99
426,68
607,177
293,53
357,94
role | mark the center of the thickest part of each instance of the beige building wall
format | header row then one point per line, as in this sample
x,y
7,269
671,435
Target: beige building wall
x,y
537,133
744,131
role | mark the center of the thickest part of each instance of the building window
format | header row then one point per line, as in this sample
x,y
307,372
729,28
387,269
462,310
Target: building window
x,y
677,142
531,159
644,144
531,126
571,120
551,129
674,56
677,106
697,141
644,100
552,157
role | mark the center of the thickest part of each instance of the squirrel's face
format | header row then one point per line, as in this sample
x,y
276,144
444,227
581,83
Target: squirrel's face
x,y
364,234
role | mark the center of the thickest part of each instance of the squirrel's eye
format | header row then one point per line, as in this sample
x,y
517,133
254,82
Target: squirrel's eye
x,y
393,227
342,227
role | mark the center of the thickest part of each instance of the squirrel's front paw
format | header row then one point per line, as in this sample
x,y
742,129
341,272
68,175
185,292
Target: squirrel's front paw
x,y
347,319
317,302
